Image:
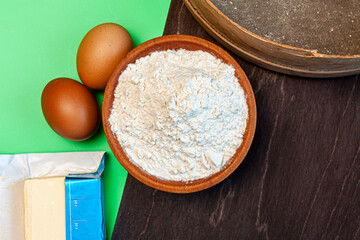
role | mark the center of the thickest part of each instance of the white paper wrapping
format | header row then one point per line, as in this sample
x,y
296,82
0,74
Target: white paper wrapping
x,y
15,169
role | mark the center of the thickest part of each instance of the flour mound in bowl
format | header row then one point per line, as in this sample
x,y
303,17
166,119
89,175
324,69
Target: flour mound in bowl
x,y
179,115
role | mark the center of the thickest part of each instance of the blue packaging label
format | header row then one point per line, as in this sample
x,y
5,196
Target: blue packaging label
x,y
84,209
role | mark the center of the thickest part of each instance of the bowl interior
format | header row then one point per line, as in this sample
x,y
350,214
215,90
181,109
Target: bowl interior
x,y
189,43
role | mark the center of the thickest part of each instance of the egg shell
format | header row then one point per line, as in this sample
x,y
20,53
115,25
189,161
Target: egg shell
x,y
70,109
100,52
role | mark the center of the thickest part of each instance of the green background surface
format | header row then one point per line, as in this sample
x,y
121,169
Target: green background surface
x,y
39,41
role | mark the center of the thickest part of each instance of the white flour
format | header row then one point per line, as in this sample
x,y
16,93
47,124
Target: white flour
x,y
180,115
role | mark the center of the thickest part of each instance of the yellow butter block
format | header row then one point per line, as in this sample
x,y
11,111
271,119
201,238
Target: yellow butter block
x,y
45,209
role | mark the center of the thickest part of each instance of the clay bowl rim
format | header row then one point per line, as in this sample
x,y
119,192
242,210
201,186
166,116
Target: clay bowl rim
x,y
189,43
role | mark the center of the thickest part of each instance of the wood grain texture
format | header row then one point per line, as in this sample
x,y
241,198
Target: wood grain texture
x,y
300,179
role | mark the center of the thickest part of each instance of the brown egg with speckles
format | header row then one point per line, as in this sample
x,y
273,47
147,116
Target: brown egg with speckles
x,y
100,51
70,109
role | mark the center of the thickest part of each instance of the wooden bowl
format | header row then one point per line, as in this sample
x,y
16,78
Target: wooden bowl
x,y
189,43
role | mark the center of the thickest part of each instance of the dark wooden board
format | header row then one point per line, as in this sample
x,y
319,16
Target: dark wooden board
x,y
300,180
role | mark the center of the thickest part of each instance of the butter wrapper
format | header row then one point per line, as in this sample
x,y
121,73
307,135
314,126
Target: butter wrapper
x,y
15,169
84,209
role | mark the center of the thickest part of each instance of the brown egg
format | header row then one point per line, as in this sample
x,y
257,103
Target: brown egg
x,y
70,109
100,52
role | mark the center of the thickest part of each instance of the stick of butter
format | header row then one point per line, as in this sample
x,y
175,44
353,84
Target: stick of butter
x,y
64,209
45,209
